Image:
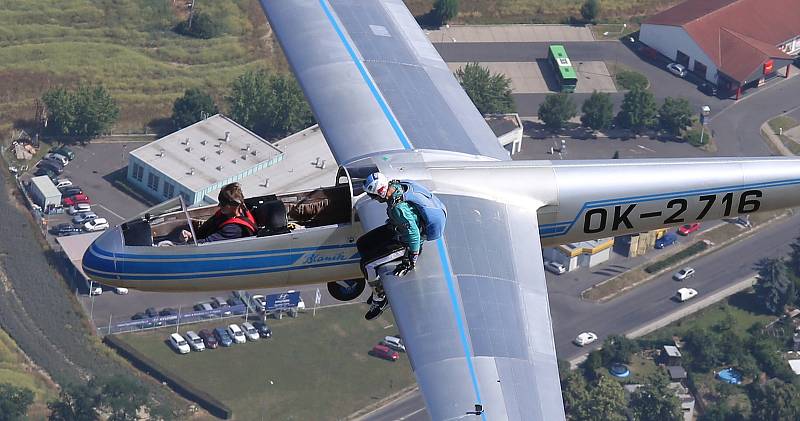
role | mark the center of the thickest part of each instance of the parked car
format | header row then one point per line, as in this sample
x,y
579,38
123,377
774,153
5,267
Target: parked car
x,y
585,338
58,158
683,274
180,344
64,151
685,294
677,69
151,312
263,329
70,191
83,217
168,312
687,229
667,240
97,224
250,332
96,290
222,336
195,341
382,351
258,302
65,230
208,339
555,267
219,302
708,89
74,200
79,208
52,164
394,343
120,290
44,171
236,333
62,182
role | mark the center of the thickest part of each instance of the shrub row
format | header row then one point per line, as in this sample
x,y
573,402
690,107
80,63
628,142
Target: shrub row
x,y
677,257
174,381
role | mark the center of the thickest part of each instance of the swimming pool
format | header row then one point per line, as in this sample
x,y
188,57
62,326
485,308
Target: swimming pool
x,y
619,370
729,375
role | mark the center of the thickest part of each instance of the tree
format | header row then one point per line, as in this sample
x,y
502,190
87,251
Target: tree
x,y
794,257
575,395
75,402
722,412
675,114
618,349
774,289
201,25
121,397
564,370
775,400
85,113
638,111
190,108
14,402
491,93
703,350
270,105
445,10
655,401
598,111
593,362
606,401
556,110
590,9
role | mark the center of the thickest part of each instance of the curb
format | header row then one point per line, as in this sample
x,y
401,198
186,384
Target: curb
x,y
369,409
767,131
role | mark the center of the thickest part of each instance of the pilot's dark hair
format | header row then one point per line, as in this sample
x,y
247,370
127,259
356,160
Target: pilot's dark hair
x,y
231,195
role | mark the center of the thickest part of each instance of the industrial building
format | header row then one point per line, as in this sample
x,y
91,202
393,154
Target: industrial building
x,y
583,254
734,44
198,160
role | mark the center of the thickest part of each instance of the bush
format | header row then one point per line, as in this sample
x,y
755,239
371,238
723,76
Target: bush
x,y
556,110
692,137
445,10
590,9
677,257
629,79
202,26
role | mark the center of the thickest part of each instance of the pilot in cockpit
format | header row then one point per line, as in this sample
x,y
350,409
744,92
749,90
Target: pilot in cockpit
x,y
232,220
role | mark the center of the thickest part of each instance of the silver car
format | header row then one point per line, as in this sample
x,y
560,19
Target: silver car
x,y
83,217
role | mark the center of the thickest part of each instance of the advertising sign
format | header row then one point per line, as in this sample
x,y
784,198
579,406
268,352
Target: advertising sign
x,y
768,67
282,301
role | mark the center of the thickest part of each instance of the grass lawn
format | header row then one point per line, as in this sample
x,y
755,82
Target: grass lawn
x,y
544,11
16,370
782,122
312,368
625,77
790,144
128,46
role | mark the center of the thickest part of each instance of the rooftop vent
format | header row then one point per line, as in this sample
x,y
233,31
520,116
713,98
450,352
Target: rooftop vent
x,y
254,152
219,151
227,136
161,152
203,142
191,171
186,142
233,160
247,148
244,157
189,149
203,158
219,167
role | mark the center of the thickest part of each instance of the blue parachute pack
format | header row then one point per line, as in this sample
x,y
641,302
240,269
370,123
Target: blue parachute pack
x,y
428,206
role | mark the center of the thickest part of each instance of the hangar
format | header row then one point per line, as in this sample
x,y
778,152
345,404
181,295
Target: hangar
x,y
734,44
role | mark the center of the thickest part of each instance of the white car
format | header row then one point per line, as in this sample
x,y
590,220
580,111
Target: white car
x,y
250,331
179,344
685,294
677,69
394,343
79,208
120,290
195,341
555,267
301,305
59,158
683,274
63,182
258,302
96,290
585,338
83,217
98,224
236,333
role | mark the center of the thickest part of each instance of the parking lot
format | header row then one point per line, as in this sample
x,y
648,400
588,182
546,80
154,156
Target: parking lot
x,y
537,77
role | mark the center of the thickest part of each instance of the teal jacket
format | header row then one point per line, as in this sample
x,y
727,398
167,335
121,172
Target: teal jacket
x,y
404,219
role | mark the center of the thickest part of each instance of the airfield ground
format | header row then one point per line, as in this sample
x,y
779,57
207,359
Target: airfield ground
x,y
312,367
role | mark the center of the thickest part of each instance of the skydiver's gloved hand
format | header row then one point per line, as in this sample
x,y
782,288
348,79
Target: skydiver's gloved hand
x,y
408,264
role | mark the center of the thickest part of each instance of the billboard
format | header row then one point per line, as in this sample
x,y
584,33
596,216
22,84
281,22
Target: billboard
x,y
283,301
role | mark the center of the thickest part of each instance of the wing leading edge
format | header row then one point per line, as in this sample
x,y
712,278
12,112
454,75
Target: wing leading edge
x,y
374,81
475,314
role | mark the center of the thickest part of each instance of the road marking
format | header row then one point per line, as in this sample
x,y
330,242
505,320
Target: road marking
x,y
389,326
110,211
405,417
645,148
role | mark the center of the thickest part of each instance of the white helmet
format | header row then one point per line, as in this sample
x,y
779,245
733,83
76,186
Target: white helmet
x,y
377,184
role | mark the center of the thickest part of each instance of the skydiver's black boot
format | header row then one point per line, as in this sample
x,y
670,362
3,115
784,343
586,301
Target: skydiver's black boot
x,y
376,306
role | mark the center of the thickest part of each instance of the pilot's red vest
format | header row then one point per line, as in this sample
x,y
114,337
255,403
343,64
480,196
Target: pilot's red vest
x,y
245,220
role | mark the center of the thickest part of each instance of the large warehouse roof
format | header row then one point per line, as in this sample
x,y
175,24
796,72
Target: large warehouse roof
x,y
738,35
199,155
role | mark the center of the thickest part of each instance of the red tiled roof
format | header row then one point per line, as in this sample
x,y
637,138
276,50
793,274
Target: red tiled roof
x,y
738,35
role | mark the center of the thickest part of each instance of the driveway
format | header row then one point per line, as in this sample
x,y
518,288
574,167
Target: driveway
x,y
510,33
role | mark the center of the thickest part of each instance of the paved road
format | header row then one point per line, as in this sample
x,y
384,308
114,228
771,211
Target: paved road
x,y
647,303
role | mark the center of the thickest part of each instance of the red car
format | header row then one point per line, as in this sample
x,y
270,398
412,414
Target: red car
x,y
688,228
74,200
383,351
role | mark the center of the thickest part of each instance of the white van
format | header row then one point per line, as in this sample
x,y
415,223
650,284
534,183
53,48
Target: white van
x,y
394,343
195,341
236,333
179,344
685,294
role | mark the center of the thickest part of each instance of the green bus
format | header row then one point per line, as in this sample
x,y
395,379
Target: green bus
x,y
562,67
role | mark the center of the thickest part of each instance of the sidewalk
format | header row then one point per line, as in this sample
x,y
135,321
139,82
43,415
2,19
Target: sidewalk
x,y
775,140
510,33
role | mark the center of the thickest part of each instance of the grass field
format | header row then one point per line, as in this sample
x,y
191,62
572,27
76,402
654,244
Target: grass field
x,y
544,11
15,369
128,46
312,368
782,122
